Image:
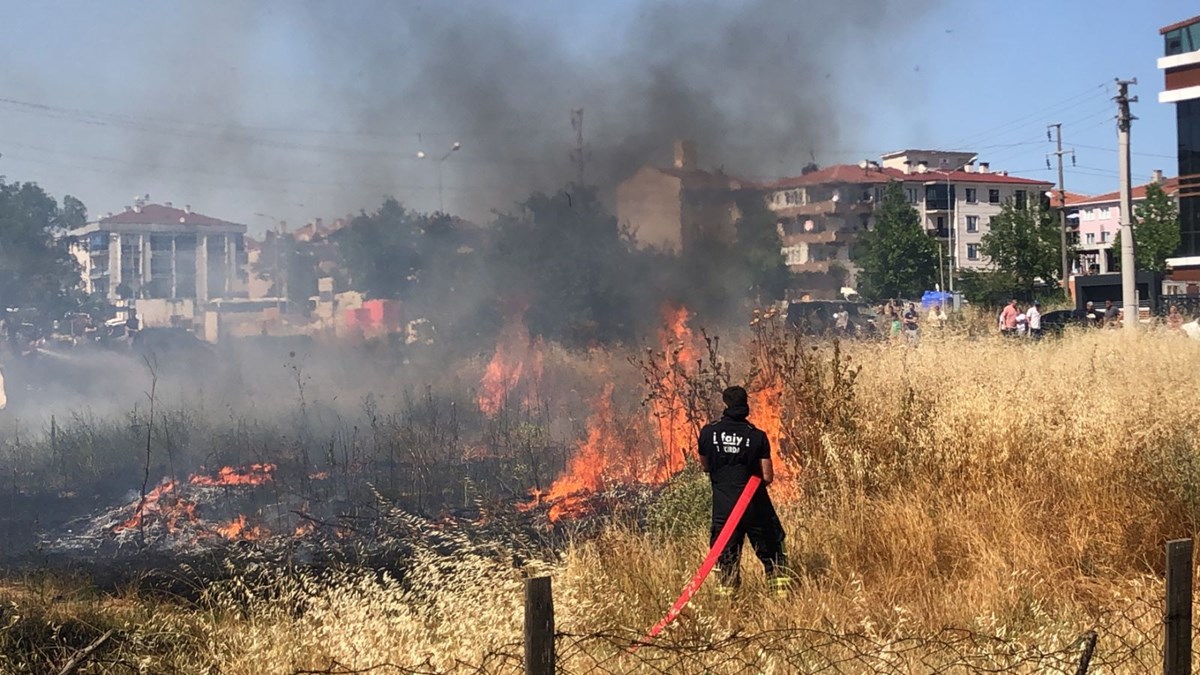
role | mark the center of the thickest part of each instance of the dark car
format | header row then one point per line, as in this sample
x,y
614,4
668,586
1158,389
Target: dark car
x,y
817,317
1054,323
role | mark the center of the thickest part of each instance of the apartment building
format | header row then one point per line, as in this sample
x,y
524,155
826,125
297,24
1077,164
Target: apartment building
x,y
668,207
821,213
169,262
1099,220
1180,64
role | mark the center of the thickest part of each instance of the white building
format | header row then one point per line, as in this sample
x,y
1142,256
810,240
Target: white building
x,y
169,262
821,212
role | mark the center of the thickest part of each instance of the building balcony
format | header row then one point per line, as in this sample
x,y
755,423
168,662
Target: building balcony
x,y
828,207
822,237
820,266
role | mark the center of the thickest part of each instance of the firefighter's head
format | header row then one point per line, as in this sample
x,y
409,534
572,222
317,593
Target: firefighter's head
x,y
736,397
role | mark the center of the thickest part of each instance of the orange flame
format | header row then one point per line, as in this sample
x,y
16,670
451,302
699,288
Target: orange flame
x,y
255,474
239,529
668,412
161,505
766,412
507,373
610,454
597,461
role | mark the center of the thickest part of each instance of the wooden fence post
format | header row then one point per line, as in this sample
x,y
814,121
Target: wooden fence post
x,y
1089,650
1177,649
539,627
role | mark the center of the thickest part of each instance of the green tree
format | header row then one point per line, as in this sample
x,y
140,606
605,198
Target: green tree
x,y
37,268
758,248
1156,231
1024,244
381,250
897,258
564,256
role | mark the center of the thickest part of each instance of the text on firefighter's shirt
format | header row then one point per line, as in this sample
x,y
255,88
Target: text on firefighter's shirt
x,y
730,443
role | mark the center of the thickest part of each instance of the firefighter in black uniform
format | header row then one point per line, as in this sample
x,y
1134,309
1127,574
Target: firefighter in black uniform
x,y
731,451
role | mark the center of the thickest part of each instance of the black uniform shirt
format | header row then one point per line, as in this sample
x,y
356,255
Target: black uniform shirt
x,y
734,449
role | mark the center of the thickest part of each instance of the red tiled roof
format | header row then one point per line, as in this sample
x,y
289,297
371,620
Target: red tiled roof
x,y
840,173
1186,22
158,214
1071,197
854,174
1169,185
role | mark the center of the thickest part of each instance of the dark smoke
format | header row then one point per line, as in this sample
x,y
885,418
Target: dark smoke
x,y
756,84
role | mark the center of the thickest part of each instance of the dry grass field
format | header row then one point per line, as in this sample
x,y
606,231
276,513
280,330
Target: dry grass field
x,y
971,504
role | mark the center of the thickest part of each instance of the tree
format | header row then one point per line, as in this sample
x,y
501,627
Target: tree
x,y
382,249
1024,244
37,268
897,258
1156,230
564,256
758,249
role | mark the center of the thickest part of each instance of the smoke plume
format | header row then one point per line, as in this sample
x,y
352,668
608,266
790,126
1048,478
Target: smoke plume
x,y
756,84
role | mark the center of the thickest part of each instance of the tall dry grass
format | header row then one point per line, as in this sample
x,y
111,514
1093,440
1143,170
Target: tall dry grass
x,y
1017,490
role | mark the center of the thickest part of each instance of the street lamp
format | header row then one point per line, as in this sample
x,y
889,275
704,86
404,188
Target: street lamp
x,y
421,155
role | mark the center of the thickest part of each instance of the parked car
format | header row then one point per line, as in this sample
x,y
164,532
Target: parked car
x,y
817,317
1054,323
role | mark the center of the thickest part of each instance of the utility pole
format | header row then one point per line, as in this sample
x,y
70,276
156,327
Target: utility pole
x,y
1128,271
1062,201
579,154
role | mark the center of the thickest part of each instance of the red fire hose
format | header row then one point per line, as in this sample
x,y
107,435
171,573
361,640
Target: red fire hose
x,y
735,517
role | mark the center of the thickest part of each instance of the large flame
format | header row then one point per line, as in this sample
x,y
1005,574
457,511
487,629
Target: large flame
x,y
515,370
597,461
766,413
618,452
669,410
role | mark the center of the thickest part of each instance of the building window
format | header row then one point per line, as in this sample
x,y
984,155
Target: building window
x,y
1089,238
972,223
1103,213
1103,237
938,197
993,196
794,255
1087,214
1182,40
972,251
971,197
911,193
1019,198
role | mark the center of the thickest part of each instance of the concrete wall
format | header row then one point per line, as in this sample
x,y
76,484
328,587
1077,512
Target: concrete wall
x,y
159,313
649,203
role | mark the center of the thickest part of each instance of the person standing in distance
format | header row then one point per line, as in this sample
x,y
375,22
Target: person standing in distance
x,y
1034,314
731,451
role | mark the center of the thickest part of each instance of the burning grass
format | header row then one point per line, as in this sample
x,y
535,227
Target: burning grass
x,y
1016,492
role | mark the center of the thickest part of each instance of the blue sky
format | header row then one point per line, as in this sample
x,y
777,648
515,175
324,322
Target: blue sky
x,y
245,112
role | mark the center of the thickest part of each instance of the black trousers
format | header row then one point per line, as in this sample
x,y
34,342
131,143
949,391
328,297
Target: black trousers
x,y
760,523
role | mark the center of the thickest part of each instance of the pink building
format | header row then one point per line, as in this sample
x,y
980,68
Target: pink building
x,y
1099,220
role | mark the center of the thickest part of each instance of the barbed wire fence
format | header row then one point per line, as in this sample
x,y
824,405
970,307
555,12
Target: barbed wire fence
x,y
1128,640
1139,635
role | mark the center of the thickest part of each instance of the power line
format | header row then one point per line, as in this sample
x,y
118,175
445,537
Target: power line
x,y
99,116
1031,118
1136,154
